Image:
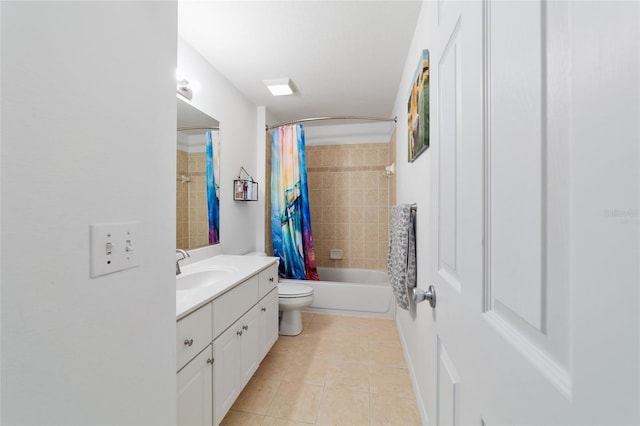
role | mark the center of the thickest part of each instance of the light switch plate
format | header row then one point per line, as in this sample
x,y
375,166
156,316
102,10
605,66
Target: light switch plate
x,y
114,247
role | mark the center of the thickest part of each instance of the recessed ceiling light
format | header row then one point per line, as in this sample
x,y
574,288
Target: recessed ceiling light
x,y
280,86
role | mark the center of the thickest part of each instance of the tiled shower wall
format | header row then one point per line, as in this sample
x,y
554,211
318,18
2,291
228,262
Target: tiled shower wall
x,y
192,226
350,199
182,202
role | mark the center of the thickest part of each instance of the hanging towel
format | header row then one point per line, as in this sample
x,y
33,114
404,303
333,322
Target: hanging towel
x,y
402,253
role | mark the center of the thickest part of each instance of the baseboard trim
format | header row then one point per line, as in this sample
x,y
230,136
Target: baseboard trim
x,y
424,418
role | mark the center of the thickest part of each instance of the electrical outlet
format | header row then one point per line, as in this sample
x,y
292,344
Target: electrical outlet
x,y
114,247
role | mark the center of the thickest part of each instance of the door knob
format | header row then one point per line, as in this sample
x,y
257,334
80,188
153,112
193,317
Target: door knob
x,y
420,295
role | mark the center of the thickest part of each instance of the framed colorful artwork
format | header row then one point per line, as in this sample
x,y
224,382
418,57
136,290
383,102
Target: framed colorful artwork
x,y
418,109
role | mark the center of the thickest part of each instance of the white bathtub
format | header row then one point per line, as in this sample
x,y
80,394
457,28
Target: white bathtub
x,y
358,292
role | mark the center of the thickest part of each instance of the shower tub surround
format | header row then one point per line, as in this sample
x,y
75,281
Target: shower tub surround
x,y
349,199
349,291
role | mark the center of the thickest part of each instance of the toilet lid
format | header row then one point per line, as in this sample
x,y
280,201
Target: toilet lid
x,y
294,290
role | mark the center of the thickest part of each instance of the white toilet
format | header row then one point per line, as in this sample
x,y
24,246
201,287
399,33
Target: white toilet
x,y
292,298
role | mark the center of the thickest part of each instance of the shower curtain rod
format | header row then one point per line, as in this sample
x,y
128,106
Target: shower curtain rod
x,y
182,129
345,117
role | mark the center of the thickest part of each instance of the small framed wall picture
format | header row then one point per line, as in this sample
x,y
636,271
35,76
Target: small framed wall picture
x,y
418,109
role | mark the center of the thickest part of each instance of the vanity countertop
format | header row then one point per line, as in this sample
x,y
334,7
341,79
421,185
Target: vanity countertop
x,y
240,269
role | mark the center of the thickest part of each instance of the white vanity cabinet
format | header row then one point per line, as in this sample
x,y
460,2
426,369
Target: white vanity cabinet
x,y
226,386
249,345
268,322
268,280
237,358
194,332
195,373
195,387
268,308
221,344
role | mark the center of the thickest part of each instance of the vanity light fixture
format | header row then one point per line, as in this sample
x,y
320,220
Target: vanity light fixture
x,y
280,86
184,90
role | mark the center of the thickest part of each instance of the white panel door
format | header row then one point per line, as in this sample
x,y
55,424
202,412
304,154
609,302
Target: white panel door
x,y
456,207
534,218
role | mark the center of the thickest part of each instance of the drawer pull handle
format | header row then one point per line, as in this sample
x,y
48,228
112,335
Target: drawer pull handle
x,y
210,361
270,279
188,342
239,332
263,309
245,327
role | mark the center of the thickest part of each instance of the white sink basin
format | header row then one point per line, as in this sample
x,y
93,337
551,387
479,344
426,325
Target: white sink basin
x,y
190,280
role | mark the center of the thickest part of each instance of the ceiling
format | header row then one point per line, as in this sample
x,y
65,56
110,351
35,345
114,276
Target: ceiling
x,y
343,57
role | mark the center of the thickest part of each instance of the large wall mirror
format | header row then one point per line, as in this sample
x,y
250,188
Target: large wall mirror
x,y
197,178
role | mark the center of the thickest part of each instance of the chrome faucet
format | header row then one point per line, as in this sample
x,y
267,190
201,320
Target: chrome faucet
x,y
184,256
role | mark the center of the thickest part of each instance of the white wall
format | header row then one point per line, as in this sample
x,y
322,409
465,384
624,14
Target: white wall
x,y
261,170
238,119
413,182
88,136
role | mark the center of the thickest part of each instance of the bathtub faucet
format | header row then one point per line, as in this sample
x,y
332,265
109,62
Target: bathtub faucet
x,y
184,256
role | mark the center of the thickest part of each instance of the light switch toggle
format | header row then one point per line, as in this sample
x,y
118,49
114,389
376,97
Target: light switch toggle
x,y
112,247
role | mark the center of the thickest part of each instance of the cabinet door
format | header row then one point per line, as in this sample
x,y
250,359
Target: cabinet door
x,y
268,322
249,344
226,371
194,390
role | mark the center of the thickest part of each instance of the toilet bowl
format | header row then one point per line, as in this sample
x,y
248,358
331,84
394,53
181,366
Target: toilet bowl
x,y
292,298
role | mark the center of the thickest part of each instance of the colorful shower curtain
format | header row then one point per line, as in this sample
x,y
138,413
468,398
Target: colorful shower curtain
x,y
213,187
290,214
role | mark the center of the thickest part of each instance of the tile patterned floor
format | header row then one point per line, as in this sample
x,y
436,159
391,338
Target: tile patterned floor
x,y
339,371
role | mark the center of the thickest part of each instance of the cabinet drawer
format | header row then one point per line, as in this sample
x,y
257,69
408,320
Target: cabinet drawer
x,y
233,304
193,334
268,280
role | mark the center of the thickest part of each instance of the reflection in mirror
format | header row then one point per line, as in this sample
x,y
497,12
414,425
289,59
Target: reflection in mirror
x,y
197,178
